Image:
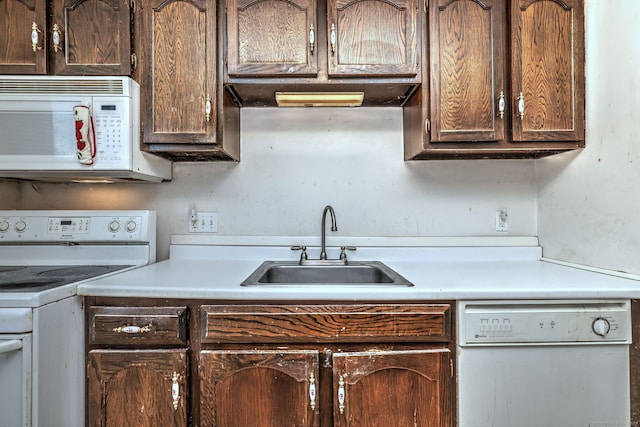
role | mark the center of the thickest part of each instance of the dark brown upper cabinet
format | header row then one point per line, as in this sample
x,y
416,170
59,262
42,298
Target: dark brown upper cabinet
x,y
547,70
506,81
323,46
184,107
81,37
373,38
272,38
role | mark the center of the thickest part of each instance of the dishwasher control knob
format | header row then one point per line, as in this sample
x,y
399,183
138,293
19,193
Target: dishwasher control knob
x,y
4,226
21,226
601,326
114,226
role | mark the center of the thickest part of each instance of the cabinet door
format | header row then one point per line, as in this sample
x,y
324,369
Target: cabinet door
x,y
272,38
373,38
258,388
393,388
142,388
178,71
93,37
24,37
547,80
468,43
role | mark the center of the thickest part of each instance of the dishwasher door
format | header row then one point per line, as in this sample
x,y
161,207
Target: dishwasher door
x,y
543,364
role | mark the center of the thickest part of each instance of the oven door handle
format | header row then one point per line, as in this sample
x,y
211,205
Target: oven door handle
x,y
9,346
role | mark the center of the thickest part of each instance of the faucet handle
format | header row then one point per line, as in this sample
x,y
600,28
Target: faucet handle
x,y
303,254
343,249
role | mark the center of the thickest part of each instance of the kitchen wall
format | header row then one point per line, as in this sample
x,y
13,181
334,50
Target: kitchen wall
x,y
589,202
295,161
583,205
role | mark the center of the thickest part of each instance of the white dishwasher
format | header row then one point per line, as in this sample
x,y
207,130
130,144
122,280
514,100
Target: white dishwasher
x,y
544,363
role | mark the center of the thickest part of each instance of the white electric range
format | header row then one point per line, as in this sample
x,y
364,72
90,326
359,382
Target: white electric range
x,y
44,256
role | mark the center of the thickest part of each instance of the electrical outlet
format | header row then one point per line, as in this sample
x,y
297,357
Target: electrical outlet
x,y
203,222
502,220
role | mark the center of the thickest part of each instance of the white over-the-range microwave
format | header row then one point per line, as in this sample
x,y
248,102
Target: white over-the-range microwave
x,y
66,128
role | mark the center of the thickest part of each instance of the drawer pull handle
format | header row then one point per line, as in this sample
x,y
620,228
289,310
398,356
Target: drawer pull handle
x,y
175,390
129,329
312,391
341,394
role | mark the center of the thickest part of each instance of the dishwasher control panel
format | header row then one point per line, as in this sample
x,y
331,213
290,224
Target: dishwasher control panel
x,y
554,322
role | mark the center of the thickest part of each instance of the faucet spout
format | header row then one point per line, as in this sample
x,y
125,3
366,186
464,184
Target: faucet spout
x,y
334,227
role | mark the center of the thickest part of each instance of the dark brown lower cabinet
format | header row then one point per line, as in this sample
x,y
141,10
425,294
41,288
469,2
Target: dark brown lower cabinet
x,y
258,388
391,388
142,388
271,388
192,363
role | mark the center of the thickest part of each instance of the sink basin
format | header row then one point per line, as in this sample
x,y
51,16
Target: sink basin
x,y
356,273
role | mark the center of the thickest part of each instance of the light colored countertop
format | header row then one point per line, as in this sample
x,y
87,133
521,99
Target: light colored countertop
x,y
456,269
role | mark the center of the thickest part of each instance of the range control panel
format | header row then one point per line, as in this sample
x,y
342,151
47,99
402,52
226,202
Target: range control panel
x,y
522,322
75,226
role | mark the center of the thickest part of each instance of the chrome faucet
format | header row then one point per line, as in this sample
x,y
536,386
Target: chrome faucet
x,y
334,227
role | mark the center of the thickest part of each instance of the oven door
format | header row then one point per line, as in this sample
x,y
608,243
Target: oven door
x,y
15,375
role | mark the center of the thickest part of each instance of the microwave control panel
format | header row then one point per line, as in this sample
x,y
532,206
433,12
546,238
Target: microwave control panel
x,y
112,131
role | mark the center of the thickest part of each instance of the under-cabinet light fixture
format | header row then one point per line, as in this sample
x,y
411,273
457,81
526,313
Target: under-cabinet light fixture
x,y
319,99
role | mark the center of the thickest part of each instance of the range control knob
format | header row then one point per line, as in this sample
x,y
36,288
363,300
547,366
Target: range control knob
x,y
114,226
601,326
4,225
131,226
21,226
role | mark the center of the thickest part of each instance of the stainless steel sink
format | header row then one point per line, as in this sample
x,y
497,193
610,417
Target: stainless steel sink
x,y
354,273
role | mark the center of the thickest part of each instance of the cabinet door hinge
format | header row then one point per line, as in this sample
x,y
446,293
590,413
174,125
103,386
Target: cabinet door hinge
x,y
426,5
427,125
132,6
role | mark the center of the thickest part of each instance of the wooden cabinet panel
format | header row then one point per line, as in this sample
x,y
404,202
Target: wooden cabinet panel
x,y
138,326
272,38
548,70
399,388
81,37
178,71
17,53
326,323
143,388
95,37
258,388
468,70
476,48
372,38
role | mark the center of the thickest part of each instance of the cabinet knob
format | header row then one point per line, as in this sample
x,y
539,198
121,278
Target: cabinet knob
x,y
312,39
333,39
207,109
175,390
520,100
312,391
57,37
35,37
341,394
501,105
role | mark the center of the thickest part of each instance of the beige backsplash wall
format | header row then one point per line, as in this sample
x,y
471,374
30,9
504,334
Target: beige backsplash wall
x,y
295,161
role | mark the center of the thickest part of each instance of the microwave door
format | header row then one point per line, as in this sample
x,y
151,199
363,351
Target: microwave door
x,y
39,135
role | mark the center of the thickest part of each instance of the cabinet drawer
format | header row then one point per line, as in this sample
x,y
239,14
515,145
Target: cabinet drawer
x,y
326,323
138,326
